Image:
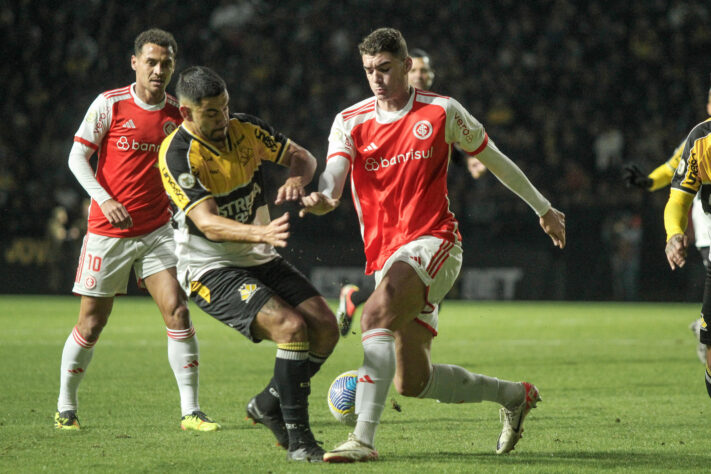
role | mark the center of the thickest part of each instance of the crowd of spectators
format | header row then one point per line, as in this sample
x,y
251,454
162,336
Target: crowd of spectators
x,y
570,90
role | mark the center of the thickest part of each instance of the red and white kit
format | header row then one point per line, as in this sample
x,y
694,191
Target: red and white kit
x,y
399,164
126,134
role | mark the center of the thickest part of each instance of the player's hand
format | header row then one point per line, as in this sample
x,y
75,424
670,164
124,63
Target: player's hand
x,y
553,224
277,231
633,176
676,250
475,167
317,203
116,214
291,190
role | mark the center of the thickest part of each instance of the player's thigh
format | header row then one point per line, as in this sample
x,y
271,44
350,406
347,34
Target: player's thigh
x,y
104,266
155,254
397,299
297,291
413,343
170,298
231,295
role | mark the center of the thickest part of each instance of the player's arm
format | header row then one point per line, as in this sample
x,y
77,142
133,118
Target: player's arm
x,y
302,166
92,131
330,188
551,220
676,218
205,216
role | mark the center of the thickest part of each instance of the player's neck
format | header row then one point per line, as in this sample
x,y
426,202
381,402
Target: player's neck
x,y
146,96
395,103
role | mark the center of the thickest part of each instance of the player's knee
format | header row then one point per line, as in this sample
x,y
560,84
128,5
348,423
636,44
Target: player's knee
x,y
409,386
293,328
179,317
90,328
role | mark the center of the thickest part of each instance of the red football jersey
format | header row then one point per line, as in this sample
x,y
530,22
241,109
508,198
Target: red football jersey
x,y
126,134
399,164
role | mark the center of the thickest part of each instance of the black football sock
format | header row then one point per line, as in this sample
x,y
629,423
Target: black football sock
x,y
291,374
707,379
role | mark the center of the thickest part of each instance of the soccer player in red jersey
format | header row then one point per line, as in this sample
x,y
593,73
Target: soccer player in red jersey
x,y
129,225
396,146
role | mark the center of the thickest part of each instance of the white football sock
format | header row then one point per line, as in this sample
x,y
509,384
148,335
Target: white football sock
x,y
183,355
76,356
374,379
454,384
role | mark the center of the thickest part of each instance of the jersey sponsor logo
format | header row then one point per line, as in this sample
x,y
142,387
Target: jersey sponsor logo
x,y
266,139
466,132
422,130
176,192
186,180
241,208
169,127
247,290
374,164
123,145
129,124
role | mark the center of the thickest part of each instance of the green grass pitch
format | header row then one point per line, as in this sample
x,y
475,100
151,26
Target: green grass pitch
x,y
621,385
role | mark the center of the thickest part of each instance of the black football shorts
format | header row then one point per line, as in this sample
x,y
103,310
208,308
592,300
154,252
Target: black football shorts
x,y
235,295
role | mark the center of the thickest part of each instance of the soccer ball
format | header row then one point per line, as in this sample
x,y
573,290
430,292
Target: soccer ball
x,y
341,397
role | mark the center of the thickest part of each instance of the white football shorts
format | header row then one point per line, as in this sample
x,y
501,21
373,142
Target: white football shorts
x,y
437,262
105,262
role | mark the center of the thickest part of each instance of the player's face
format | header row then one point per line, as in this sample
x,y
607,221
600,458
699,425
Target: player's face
x,y
421,75
212,117
154,68
386,75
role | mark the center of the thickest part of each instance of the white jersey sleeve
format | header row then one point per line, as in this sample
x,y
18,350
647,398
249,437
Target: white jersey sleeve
x,y
463,129
466,131
87,140
339,141
95,124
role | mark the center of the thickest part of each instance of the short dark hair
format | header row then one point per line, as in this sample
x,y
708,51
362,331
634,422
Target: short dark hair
x,y
155,36
199,82
384,40
419,53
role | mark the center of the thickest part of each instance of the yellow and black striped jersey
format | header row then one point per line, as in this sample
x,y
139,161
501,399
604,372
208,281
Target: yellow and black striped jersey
x,y
193,170
693,174
663,174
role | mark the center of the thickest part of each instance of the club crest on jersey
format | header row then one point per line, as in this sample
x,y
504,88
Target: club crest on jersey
x,y
422,130
168,127
90,282
247,290
186,180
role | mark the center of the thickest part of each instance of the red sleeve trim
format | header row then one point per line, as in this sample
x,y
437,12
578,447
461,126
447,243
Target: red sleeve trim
x,y
340,153
86,142
481,147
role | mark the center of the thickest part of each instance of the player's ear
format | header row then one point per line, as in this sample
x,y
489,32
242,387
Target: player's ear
x,y
134,61
186,113
408,64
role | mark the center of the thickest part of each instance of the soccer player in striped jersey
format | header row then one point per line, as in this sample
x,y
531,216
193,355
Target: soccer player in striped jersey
x,y
661,177
397,146
691,178
129,225
211,168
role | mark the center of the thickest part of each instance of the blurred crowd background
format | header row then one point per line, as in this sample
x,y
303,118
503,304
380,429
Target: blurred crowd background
x,y
570,90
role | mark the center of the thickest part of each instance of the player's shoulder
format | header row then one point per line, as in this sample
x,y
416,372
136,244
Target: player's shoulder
x,y
429,96
363,107
115,95
171,100
243,118
701,130
177,142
